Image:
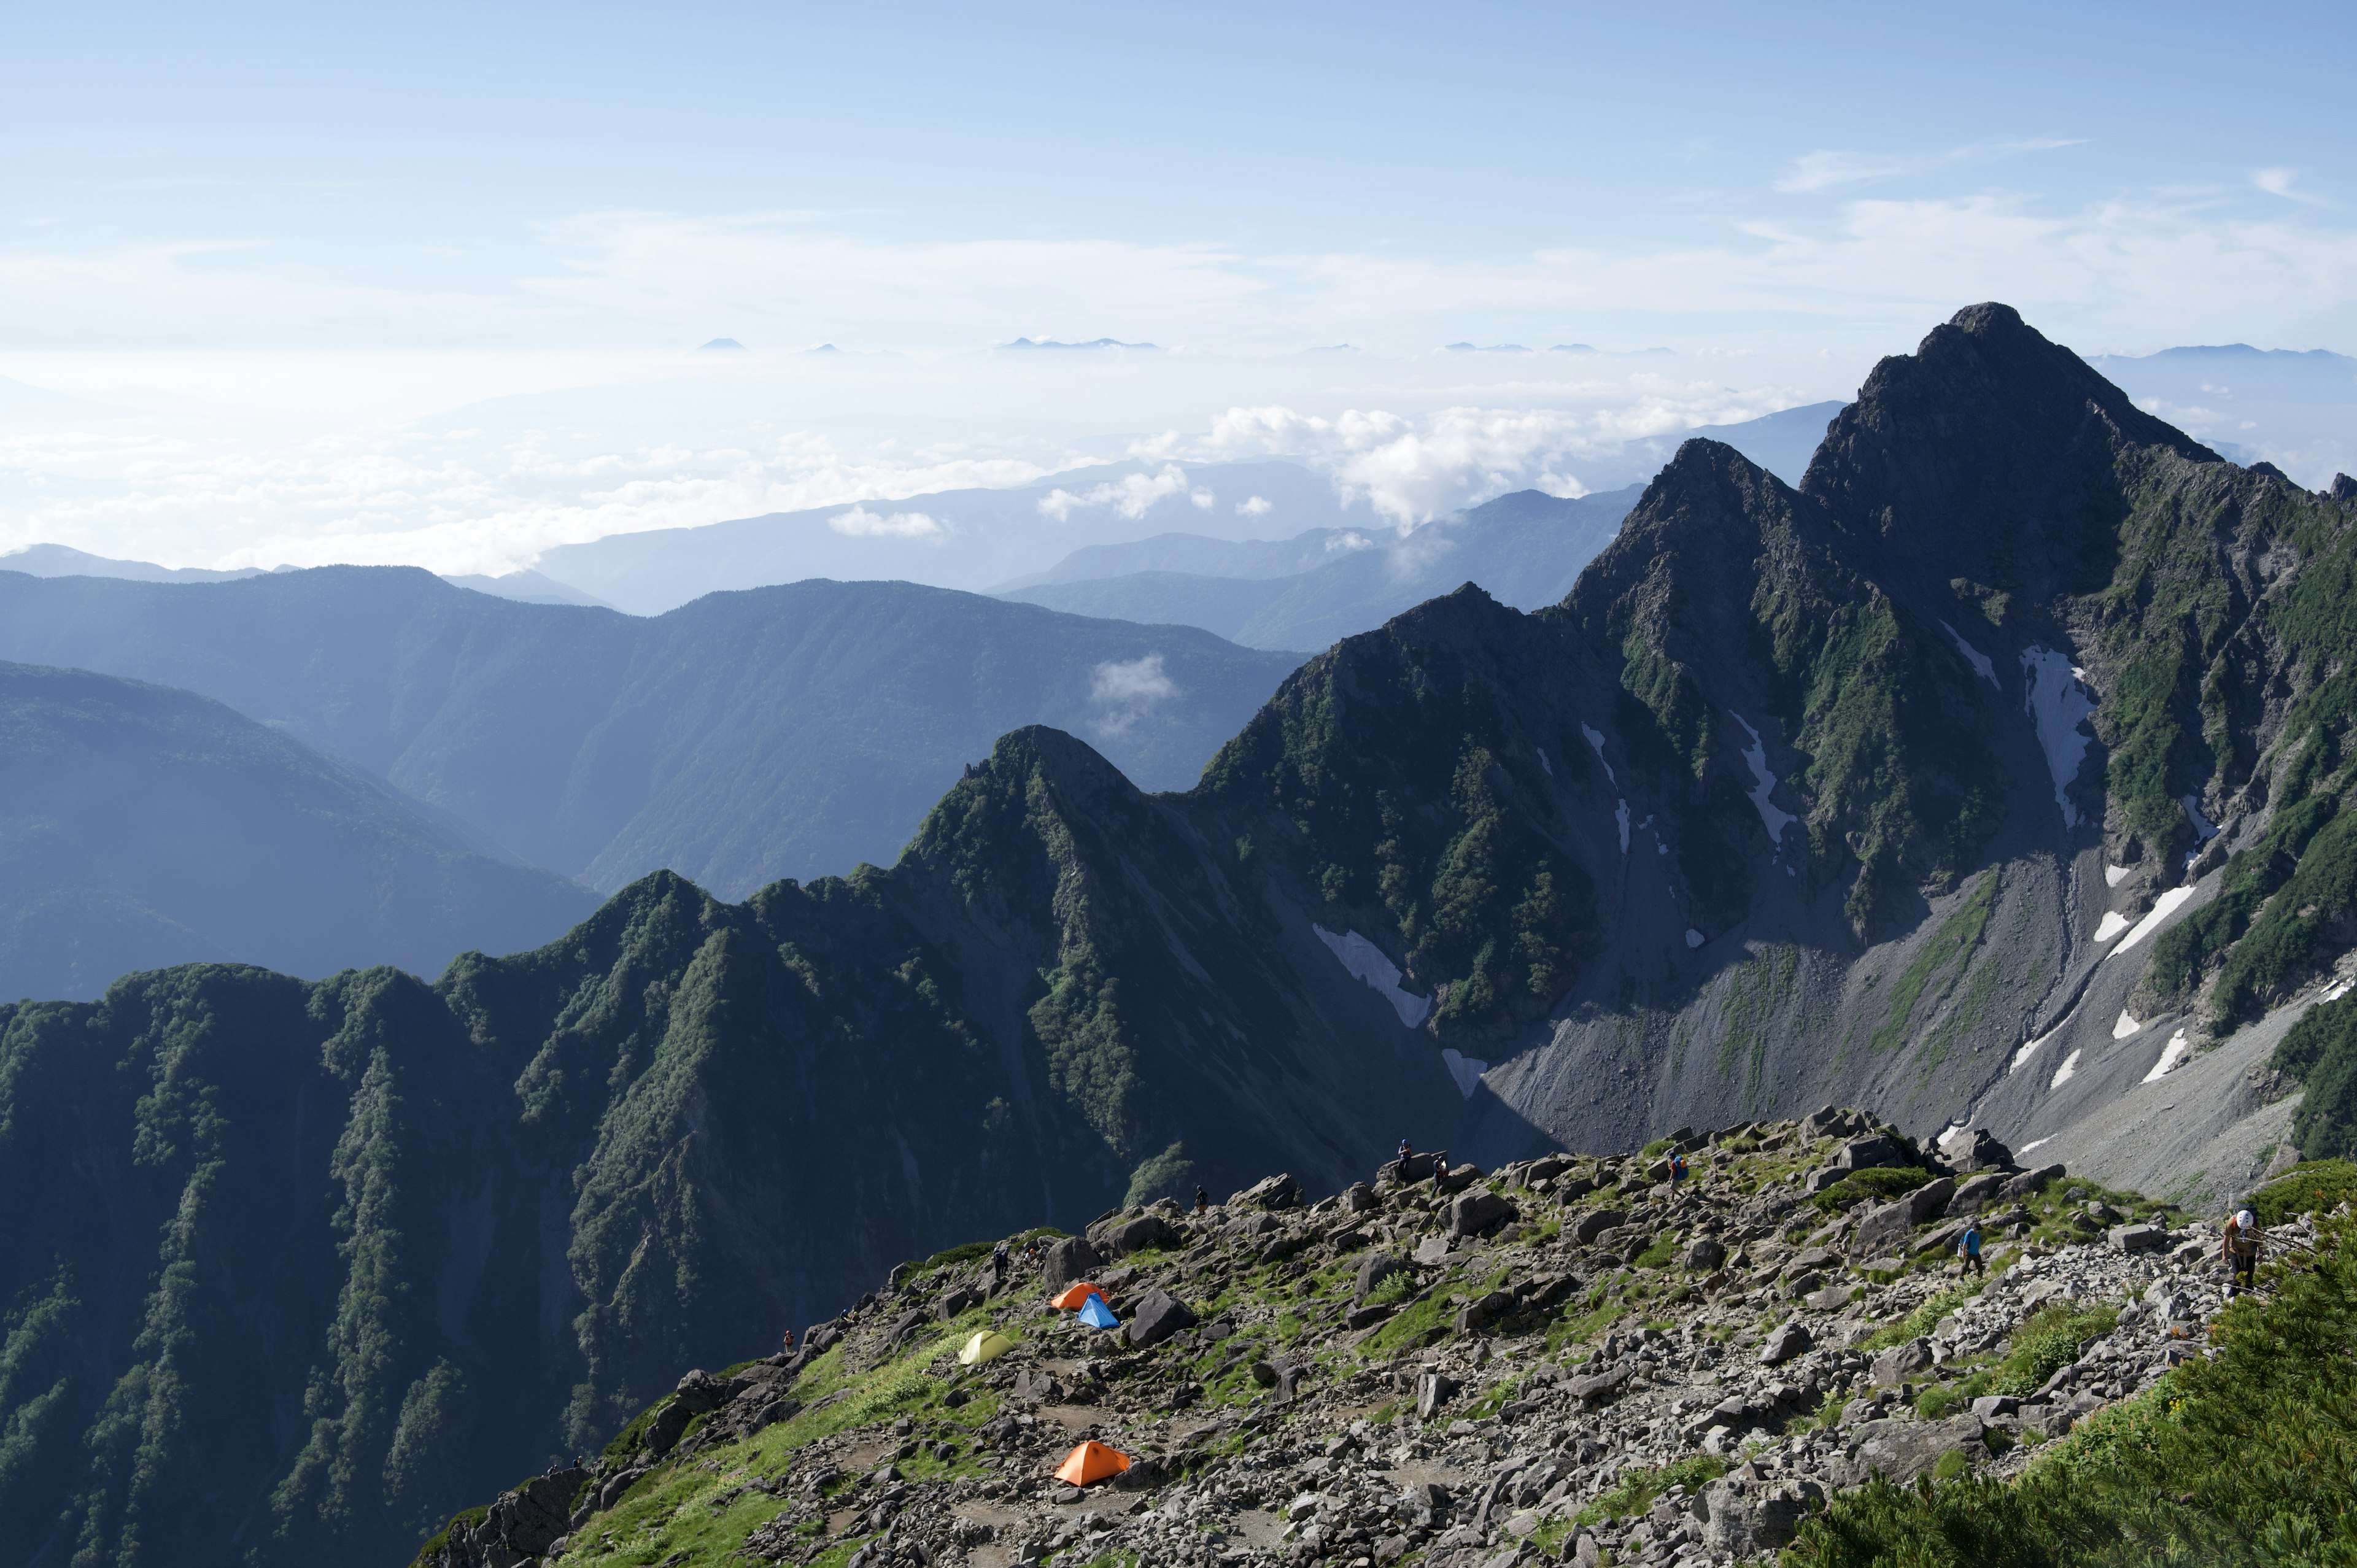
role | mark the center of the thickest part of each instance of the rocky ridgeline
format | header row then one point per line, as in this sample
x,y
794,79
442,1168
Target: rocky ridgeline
x,y
1567,1357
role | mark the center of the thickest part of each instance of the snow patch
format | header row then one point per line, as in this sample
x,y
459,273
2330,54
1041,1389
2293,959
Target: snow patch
x,y
2122,1026
1544,763
2202,825
1366,962
1762,781
1621,811
2112,925
2171,1055
2165,906
2057,705
2021,1056
1595,741
1694,939
1973,656
2338,991
2027,1147
1467,1071
2115,875
2063,1075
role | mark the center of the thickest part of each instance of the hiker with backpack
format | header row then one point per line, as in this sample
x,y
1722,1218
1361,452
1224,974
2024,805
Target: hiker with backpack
x,y
2240,1248
1968,1250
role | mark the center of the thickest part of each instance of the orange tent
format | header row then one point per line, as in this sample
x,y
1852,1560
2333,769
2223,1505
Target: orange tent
x,y
1088,1463
1075,1293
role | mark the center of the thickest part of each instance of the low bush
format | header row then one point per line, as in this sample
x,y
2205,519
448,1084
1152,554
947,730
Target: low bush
x,y
2311,1186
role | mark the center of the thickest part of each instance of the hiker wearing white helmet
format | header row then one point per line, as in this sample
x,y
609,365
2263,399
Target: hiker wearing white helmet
x,y
2241,1248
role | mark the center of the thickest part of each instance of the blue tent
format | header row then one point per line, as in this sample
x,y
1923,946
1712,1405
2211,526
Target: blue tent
x,y
1097,1314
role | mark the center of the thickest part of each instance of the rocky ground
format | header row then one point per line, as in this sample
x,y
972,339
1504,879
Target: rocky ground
x,y
1569,1357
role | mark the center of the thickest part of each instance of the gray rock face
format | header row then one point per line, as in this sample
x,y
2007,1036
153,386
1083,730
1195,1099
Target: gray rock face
x,y
1431,1391
1270,1192
1472,1213
1068,1260
1883,1231
1158,1317
1866,1153
2029,1181
1374,1270
1596,1222
1145,1231
1749,1517
1900,1362
1903,1450
1432,1251
1788,1340
1976,1190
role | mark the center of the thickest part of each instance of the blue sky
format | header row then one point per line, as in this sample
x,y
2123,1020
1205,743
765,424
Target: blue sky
x,y
1225,177
421,282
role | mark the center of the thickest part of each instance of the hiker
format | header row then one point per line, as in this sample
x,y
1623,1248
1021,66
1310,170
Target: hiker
x,y
789,1341
1968,1250
1677,1169
1202,1201
2241,1248
1405,1154
1439,1167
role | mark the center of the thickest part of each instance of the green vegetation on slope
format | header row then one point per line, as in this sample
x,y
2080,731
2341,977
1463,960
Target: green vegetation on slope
x,y
2319,1052
2250,1458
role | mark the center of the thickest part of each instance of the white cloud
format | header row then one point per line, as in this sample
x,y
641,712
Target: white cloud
x,y
1829,168
1254,506
861,523
1131,496
2279,182
1127,691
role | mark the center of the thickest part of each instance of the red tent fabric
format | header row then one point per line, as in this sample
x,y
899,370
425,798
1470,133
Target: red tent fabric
x,y
1074,1293
1088,1463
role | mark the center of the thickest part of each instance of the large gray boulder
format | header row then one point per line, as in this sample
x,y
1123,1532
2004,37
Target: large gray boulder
x,y
2029,1181
1069,1258
1374,1270
1157,1318
1145,1231
1866,1153
1473,1213
1903,1450
1788,1340
1595,1222
1900,1362
1747,1517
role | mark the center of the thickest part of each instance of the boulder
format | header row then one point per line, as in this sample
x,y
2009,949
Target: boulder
x,y
1977,1150
1145,1231
1900,1362
1432,1390
1903,1450
1476,1316
956,1299
1704,1254
523,1524
1832,1298
1271,1192
1432,1251
1882,1229
2139,1237
1595,1222
1600,1385
1748,1519
1459,1177
1374,1270
1067,1260
2028,1181
1157,1318
1989,1407
1930,1200
1474,1213
1819,1180
1788,1340
1866,1153
1976,1190
1358,1198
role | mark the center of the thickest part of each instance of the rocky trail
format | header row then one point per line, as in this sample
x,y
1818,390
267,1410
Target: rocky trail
x,y
1569,1359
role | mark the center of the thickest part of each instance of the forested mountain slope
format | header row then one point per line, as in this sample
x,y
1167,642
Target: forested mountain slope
x,y
141,827
1881,790
777,732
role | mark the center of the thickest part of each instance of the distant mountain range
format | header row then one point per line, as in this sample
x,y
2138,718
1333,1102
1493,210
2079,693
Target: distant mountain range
x,y
1524,549
779,732
61,561
145,827
1316,587
991,538
2000,775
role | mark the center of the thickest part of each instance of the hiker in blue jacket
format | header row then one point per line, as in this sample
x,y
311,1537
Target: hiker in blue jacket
x,y
1968,1249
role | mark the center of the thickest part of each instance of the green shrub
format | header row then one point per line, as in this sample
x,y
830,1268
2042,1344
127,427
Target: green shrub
x,y
2248,1458
2046,1343
1638,1488
1880,1182
2310,1186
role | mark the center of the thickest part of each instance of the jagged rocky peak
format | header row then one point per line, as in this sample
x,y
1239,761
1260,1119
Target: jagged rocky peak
x,y
1992,451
